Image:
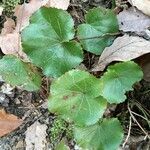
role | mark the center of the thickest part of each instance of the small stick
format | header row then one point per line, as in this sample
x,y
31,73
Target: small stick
x,y
134,119
139,115
129,132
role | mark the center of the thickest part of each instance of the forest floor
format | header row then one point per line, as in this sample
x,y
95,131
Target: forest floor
x,y
32,106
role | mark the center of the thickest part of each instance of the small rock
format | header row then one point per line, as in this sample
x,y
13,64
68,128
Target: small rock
x,y
36,137
20,145
7,89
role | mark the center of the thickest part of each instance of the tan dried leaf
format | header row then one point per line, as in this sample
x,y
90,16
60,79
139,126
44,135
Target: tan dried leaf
x,y
11,43
8,123
142,5
23,12
124,48
9,26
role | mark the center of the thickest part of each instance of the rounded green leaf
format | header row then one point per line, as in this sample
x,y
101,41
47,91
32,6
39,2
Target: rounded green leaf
x,y
18,73
119,79
106,135
76,97
47,43
99,21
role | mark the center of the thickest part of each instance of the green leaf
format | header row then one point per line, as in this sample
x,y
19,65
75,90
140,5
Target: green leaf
x,y
99,22
119,79
106,135
76,97
47,42
62,146
18,73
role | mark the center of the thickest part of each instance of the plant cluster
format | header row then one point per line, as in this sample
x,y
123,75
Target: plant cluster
x,y
76,95
58,130
9,6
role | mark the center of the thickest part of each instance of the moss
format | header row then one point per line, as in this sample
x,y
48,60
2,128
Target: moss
x,y
9,6
60,129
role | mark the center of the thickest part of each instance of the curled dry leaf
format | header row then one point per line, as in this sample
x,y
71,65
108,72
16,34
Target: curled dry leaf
x,y
133,20
11,44
8,123
9,26
124,48
10,40
143,5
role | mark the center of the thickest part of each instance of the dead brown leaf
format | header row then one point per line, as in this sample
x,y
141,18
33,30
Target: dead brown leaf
x,y
8,123
11,43
133,20
142,5
124,48
9,26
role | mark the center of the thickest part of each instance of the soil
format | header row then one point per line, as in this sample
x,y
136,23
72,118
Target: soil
x,y
32,106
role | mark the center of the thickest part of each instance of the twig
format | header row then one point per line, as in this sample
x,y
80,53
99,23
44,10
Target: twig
x,y
129,132
134,119
139,115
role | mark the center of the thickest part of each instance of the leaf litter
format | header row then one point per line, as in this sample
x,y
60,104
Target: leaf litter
x,y
132,20
8,122
124,48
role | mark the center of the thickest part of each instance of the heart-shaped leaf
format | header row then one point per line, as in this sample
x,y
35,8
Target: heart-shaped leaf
x,y
47,42
18,73
95,35
76,97
106,135
119,79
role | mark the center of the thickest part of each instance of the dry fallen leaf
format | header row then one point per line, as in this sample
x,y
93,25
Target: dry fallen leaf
x,y
11,44
133,20
36,137
124,48
143,5
9,26
8,123
23,12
